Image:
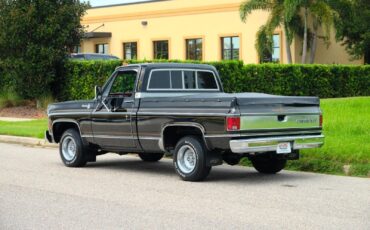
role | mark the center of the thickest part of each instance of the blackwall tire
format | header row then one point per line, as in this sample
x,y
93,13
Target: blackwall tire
x,y
190,159
151,157
71,149
269,166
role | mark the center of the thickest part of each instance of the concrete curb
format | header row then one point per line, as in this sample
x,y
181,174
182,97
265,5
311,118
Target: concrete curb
x,y
26,141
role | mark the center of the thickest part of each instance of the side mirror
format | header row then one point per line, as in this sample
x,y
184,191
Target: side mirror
x,y
98,92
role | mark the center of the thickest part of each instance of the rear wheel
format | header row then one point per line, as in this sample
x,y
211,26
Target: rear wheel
x,y
190,159
268,166
151,157
71,149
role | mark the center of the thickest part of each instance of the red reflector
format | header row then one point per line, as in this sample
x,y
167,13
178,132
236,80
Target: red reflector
x,y
321,120
233,123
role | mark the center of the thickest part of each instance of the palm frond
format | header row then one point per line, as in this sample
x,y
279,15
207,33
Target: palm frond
x,y
292,7
247,7
323,15
263,41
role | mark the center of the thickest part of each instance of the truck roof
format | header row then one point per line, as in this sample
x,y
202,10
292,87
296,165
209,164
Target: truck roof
x,y
173,65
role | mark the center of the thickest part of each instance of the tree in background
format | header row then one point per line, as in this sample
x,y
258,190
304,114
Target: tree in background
x,y
352,25
35,38
276,19
292,16
322,16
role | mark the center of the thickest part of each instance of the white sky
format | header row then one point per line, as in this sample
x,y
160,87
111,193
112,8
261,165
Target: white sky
x,y
110,2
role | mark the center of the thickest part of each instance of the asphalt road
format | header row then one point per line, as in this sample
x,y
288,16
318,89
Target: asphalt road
x,y
121,192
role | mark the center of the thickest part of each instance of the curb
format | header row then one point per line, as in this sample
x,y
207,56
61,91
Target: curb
x,y
29,141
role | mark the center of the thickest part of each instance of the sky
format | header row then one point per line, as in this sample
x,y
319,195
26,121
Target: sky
x,y
110,2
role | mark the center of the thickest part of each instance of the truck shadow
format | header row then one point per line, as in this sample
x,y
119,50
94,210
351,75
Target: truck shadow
x,y
218,173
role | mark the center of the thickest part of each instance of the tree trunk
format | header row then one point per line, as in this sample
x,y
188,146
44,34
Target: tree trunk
x,y
287,45
304,51
313,48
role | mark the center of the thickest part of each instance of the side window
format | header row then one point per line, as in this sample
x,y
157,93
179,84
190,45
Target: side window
x,y
189,80
160,80
206,80
123,84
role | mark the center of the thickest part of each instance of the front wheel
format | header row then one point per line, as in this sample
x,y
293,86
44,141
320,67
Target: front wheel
x,y
151,157
268,166
71,149
190,159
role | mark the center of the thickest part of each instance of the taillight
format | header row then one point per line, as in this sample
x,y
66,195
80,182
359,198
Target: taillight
x,y
233,123
321,120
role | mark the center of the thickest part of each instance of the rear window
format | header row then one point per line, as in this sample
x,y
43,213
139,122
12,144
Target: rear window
x,y
189,79
160,80
182,80
176,79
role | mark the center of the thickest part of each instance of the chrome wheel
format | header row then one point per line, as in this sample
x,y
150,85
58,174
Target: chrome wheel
x,y
186,159
69,148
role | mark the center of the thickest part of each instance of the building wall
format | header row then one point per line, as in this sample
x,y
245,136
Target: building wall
x,y
178,20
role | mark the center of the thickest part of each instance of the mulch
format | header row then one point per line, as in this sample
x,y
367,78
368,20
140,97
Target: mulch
x,y
23,112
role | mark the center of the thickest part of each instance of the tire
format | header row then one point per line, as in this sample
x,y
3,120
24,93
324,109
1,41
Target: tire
x,y
71,149
151,157
269,166
190,159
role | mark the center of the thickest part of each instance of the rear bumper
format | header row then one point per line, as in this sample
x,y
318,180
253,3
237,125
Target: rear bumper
x,y
270,144
49,137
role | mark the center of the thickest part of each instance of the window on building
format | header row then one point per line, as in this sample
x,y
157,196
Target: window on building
x,y
194,49
274,54
160,50
102,48
77,49
130,50
230,48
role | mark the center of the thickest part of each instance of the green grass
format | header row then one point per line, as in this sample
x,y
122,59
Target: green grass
x,y
35,128
347,139
346,129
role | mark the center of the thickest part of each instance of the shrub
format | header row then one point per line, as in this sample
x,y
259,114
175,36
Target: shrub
x,y
80,77
325,81
9,98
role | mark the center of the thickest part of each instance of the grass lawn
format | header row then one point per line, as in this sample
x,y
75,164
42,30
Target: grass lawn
x,y
347,139
346,129
35,128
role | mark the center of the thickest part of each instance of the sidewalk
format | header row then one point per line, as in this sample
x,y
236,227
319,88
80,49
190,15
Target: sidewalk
x,y
26,141
15,119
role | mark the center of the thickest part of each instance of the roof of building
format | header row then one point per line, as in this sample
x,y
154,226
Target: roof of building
x,y
129,3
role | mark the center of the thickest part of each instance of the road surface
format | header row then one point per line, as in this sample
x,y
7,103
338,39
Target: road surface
x,y
121,192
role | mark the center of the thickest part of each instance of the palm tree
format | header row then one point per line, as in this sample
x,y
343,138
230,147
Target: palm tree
x,y
276,19
322,16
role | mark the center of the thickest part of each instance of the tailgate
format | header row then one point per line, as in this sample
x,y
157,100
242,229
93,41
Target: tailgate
x,y
269,112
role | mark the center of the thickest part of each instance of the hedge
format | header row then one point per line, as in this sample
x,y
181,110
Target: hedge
x,y
80,77
325,81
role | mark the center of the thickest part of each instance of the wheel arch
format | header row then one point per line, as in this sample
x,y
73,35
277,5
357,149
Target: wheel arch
x,y
59,126
171,133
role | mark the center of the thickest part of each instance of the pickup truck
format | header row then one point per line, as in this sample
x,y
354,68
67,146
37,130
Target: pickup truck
x,y
182,110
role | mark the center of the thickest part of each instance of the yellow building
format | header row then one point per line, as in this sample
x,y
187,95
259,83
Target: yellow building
x,y
208,30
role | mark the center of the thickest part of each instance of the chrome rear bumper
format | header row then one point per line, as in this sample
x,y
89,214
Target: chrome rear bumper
x,y
270,143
